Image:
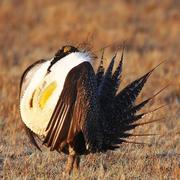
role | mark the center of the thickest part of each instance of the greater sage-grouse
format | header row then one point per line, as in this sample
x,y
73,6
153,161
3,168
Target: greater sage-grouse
x,y
74,109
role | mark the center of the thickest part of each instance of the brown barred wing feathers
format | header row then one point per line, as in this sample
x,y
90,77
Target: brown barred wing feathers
x,y
76,112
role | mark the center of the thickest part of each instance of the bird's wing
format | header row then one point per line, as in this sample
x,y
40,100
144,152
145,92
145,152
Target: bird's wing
x,y
73,113
25,80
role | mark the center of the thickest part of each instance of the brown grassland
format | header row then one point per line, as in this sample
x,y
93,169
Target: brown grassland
x,y
31,30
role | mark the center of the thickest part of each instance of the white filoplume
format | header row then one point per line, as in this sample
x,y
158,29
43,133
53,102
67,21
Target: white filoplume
x,y
36,118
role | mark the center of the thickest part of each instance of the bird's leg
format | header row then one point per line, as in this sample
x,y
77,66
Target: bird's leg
x,y
76,164
70,160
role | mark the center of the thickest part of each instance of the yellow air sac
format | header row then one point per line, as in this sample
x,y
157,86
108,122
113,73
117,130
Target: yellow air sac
x,y
46,94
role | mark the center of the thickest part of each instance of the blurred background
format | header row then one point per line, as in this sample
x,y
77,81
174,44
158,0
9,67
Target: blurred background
x,y
32,30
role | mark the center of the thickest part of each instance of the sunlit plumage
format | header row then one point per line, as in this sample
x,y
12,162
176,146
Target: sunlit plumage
x,y
75,110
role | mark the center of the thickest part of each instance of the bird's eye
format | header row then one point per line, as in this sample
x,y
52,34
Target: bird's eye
x,y
67,49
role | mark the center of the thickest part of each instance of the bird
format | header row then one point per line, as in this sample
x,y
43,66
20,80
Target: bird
x,y
75,109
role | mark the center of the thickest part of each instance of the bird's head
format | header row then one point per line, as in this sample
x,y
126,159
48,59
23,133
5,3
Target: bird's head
x,y
65,50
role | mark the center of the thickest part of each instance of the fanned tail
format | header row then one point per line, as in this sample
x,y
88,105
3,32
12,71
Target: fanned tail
x,y
120,109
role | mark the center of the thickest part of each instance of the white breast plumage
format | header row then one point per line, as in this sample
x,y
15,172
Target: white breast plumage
x,y
40,97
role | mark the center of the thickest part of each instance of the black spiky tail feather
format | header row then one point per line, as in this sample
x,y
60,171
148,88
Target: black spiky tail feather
x,y
106,85
100,70
116,77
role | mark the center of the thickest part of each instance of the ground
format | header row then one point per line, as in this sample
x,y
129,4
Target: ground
x,y
31,30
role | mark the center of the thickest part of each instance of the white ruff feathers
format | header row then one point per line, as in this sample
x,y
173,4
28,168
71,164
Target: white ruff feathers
x,y
34,117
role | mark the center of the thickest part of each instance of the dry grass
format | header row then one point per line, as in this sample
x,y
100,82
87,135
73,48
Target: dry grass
x,y
31,30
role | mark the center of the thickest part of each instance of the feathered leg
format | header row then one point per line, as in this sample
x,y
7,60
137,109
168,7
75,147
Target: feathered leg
x,y
69,165
70,160
76,164
73,161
